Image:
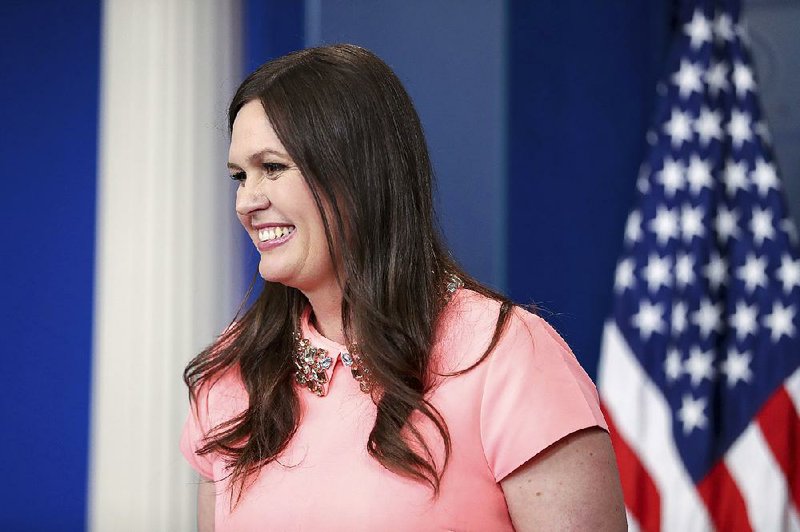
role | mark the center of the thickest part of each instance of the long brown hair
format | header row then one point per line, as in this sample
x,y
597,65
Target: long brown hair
x,y
351,128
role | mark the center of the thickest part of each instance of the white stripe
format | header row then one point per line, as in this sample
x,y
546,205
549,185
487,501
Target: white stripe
x,y
794,520
792,386
643,418
761,482
633,524
167,253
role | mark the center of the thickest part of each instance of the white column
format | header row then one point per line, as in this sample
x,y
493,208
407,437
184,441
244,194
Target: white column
x,y
167,265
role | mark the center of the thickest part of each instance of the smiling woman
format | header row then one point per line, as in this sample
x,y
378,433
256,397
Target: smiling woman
x,y
374,384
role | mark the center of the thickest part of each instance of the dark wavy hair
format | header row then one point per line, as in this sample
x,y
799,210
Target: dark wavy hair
x,y
351,128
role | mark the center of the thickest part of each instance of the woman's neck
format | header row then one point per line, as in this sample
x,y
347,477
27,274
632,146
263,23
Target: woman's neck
x,y
326,306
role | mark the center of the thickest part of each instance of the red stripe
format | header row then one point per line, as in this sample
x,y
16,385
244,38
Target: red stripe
x,y
641,495
780,425
725,503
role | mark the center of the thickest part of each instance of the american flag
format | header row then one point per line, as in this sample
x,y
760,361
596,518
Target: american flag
x,y
699,364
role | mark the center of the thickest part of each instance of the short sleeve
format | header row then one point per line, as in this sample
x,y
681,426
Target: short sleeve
x,y
535,394
193,436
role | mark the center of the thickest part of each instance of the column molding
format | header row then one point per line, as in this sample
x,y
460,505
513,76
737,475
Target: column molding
x,y
168,267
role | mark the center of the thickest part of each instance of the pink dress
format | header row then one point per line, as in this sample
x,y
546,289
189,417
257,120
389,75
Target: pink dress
x,y
528,394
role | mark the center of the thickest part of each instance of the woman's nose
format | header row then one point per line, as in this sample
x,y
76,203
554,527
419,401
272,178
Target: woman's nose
x,y
250,199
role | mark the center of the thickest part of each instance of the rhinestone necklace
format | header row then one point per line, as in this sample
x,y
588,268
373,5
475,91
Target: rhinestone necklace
x,y
312,363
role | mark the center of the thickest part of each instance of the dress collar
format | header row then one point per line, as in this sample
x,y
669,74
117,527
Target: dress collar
x,y
315,356
322,348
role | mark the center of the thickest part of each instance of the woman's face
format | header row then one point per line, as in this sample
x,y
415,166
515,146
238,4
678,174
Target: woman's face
x,y
276,207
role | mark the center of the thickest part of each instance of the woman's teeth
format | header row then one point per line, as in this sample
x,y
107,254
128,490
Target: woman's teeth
x,y
271,233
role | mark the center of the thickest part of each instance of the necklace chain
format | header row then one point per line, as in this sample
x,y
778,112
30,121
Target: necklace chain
x,y
311,363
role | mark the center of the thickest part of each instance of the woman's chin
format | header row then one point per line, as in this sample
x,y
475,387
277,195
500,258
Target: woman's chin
x,y
270,274
276,275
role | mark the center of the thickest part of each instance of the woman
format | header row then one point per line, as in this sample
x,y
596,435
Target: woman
x,y
374,384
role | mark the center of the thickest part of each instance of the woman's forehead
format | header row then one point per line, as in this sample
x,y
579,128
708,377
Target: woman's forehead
x,y
253,135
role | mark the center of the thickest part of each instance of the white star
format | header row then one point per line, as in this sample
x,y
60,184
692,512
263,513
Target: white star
x,y
735,177
679,127
780,320
698,174
691,222
679,317
691,413
740,128
664,225
657,272
673,365
708,125
753,273
623,279
633,227
761,225
744,320
684,270
708,317
698,30
699,365
723,27
726,224
789,273
716,271
687,78
743,80
737,367
717,78
648,320
764,176
671,176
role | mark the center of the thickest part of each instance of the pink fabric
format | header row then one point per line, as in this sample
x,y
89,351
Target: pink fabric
x,y
528,394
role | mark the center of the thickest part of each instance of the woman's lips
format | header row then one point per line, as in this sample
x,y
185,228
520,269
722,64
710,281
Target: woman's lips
x,y
273,236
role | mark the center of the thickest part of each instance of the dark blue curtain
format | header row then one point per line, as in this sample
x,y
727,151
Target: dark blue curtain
x,y
582,78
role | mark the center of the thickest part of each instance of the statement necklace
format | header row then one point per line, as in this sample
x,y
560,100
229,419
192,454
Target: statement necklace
x,y
312,363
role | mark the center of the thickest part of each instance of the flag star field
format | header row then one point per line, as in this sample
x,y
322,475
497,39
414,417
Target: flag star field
x,y
707,292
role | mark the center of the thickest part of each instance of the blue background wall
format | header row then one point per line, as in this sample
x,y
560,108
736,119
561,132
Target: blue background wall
x,y
49,59
451,57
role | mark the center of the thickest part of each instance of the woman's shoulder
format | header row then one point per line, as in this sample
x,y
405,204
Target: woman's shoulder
x,y
525,342
220,396
473,317
469,310
467,326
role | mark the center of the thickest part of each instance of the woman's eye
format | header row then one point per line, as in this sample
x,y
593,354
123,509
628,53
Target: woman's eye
x,y
238,176
274,170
